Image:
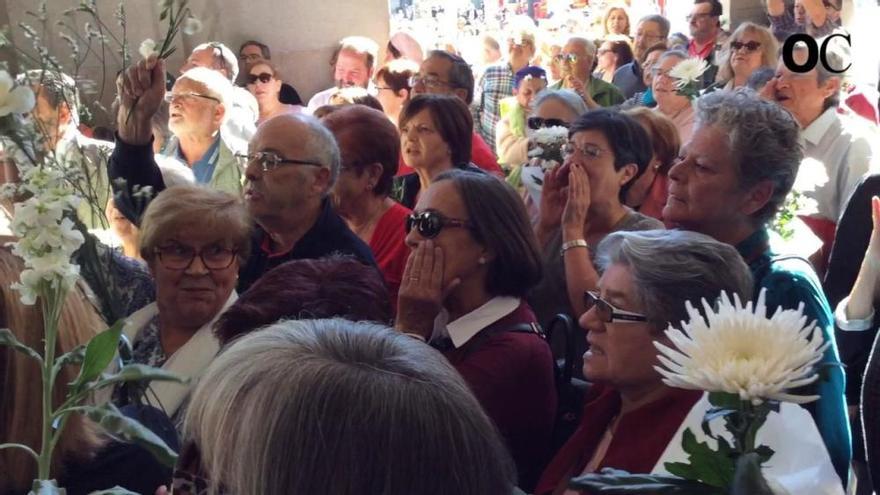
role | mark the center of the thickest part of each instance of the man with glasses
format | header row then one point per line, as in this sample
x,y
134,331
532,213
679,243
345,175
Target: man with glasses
x,y
353,62
650,31
197,108
252,52
577,56
243,111
818,18
292,163
705,26
443,73
497,82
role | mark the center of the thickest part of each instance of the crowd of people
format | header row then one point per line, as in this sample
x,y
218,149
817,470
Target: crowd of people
x,y
356,284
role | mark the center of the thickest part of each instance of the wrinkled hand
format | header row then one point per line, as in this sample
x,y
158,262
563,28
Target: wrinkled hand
x,y
141,89
577,203
554,194
768,92
422,290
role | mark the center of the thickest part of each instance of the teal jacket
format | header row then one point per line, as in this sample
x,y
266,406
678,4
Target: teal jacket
x,y
789,281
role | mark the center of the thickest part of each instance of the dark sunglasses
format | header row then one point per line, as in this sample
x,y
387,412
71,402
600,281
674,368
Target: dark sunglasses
x,y
430,223
536,123
750,46
609,313
263,77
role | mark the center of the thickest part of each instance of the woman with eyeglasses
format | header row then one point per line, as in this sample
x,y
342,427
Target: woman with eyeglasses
x,y
613,53
392,86
748,49
193,239
630,415
582,202
511,131
263,83
678,108
474,258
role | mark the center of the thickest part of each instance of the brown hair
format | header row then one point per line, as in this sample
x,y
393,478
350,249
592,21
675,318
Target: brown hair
x,y
452,118
396,74
20,381
607,15
335,286
366,136
358,44
665,141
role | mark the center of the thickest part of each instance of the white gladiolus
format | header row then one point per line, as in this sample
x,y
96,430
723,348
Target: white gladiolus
x,y
688,71
736,349
147,48
191,26
14,99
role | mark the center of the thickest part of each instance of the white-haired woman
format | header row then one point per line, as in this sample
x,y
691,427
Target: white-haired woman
x,y
669,102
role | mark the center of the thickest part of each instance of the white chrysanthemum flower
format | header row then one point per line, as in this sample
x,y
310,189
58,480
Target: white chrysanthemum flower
x,y
738,350
147,48
14,99
688,71
191,26
550,135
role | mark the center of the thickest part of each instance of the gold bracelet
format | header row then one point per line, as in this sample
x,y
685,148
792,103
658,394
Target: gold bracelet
x,y
576,243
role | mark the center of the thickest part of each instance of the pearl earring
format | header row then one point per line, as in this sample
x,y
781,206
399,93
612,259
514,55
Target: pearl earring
x,y
482,260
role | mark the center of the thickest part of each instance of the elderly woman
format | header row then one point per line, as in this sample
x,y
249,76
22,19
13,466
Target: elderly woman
x,y
582,202
749,48
277,387
370,148
731,179
436,133
85,459
647,63
263,82
474,259
616,22
677,107
392,86
612,54
193,239
648,193
630,415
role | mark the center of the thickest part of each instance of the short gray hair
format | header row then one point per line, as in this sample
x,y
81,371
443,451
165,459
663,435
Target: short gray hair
x,y
763,141
214,83
224,58
661,21
57,87
351,390
588,45
565,96
837,57
673,53
670,267
321,146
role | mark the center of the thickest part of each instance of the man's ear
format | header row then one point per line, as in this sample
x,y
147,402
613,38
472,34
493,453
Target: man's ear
x,y
757,197
321,184
461,93
830,87
219,113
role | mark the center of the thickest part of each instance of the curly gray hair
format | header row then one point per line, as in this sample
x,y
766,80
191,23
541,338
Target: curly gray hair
x,y
565,96
762,138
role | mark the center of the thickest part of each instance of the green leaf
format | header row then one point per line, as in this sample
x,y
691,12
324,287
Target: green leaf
x,y
705,464
116,490
140,372
99,352
46,487
724,400
129,430
764,453
748,479
620,482
9,340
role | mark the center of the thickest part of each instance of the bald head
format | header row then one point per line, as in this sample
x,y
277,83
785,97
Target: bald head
x,y
299,136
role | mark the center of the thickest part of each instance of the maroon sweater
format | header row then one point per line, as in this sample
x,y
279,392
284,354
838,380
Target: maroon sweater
x,y
511,374
639,440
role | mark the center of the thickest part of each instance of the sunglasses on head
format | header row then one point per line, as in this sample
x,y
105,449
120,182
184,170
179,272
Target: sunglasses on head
x,y
430,223
536,123
750,46
263,77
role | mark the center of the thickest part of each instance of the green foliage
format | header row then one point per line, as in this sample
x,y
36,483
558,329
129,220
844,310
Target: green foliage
x,y
99,353
715,468
615,482
128,430
9,340
748,479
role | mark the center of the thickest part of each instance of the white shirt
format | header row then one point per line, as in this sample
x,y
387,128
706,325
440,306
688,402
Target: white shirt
x,y
323,98
838,151
465,328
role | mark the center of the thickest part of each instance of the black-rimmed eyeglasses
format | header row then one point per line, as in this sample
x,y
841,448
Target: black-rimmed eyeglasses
x,y
430,223
172,97
179,257
269,161
608,313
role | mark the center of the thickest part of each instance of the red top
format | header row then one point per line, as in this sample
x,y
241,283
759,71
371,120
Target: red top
x,y
701,51
388,245
511,374
640,439
481,156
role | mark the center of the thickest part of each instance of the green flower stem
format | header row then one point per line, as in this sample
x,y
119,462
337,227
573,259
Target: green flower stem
x,y
51,299
22,447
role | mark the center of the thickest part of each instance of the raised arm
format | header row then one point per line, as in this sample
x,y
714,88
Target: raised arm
x,y
132,166
775,7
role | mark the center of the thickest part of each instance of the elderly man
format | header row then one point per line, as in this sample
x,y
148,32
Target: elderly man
x,y
838,150
249,53
56,117
705,26
197,108
444,73
818,18
651,30
292,165
578,55
497,82
353,63
242,115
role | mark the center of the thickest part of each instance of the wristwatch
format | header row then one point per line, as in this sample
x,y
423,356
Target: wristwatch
x,y
576,243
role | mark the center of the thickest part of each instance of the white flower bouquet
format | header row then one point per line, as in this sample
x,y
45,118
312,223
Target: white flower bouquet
x,y
689,76
749,364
